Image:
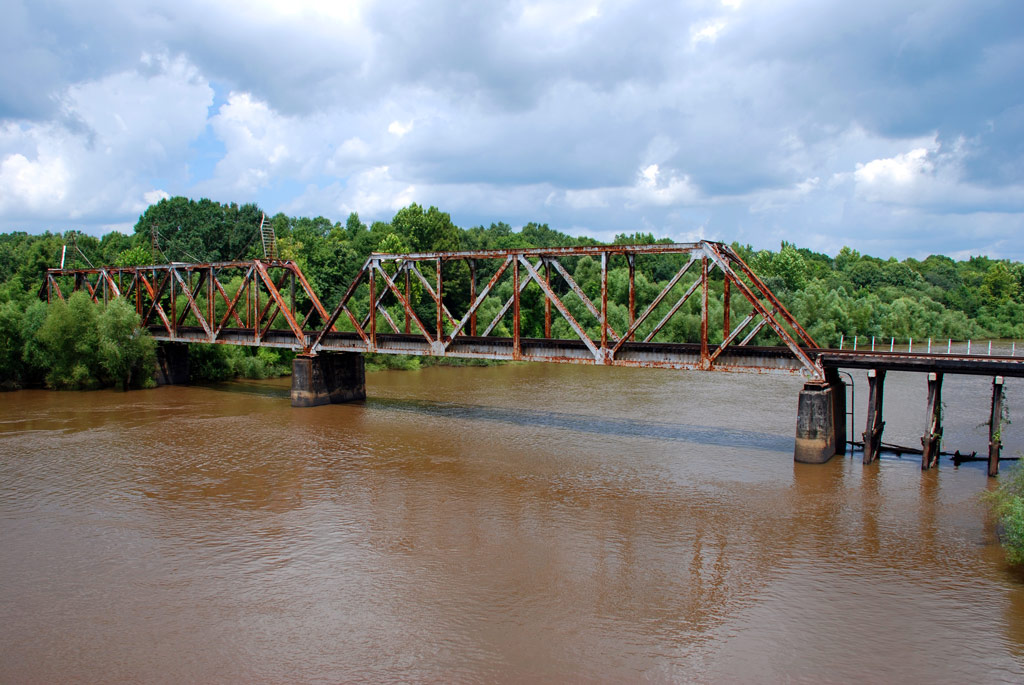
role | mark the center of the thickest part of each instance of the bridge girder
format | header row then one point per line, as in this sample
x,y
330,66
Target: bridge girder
x,y
190,302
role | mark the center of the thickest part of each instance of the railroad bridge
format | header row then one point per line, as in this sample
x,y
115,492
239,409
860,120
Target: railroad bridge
x,y
407,302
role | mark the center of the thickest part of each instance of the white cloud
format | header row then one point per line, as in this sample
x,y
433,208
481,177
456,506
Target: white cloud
x,y
348,12
557,16
900,170
114,131
373,193
32,185
784,197
585,199
707,32
755,121
139,116
397,128
254,139
375,190
651,188
151,197
932,178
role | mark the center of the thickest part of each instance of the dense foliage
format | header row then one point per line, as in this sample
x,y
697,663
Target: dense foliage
x,y
73,345
843,296
1007,502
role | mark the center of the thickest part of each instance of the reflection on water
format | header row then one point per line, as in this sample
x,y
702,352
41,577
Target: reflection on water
x,y
637,428
522,522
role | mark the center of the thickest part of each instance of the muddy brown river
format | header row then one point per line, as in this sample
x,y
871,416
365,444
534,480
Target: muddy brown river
x,y
525,523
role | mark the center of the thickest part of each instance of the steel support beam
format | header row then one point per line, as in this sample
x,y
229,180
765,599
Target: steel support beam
x,y
995,437
931,441
875,424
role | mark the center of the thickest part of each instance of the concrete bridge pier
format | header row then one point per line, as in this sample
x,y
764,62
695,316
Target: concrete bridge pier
x,y
817,422
328,378
172,363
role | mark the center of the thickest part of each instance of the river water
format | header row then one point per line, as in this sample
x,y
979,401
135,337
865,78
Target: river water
x,y
513,523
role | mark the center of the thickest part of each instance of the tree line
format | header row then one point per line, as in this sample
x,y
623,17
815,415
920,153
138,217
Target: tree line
x,y
71,345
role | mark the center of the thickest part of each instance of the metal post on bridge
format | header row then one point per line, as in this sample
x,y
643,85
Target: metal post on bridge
x,y
704,310
604,301
516,342
440,302
631,261
547,298
726,329
409,299
838,387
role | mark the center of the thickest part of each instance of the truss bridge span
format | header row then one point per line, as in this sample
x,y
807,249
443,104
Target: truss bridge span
x,y
474,304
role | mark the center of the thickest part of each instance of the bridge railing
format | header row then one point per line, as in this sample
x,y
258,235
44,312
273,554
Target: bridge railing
x,y
928,345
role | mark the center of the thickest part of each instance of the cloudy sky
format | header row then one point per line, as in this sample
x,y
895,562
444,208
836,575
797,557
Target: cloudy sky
x,y
895,127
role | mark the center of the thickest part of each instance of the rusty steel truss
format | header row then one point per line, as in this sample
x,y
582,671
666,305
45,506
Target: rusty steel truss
x,y
169,296
269,302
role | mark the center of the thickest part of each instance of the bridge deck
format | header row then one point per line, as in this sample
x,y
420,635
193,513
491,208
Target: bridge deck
x,y
633,354
976,365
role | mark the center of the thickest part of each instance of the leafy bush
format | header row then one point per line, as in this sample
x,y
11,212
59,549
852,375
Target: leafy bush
x,y
126,353
214,363
70,340
210,363
74,345
1007,502
264,364
11,344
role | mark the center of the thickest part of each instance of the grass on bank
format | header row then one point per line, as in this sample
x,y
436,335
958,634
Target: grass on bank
x,y
215,363
408,362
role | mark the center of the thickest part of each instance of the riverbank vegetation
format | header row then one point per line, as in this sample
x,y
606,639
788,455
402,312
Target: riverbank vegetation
x,y
74,345
834,297
1007,503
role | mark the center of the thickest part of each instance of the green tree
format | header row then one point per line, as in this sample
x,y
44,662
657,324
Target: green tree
x,y
126,351
428,230
999,285
70,341
1007,502
34,357
11,345
134,256
785,269
201,231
